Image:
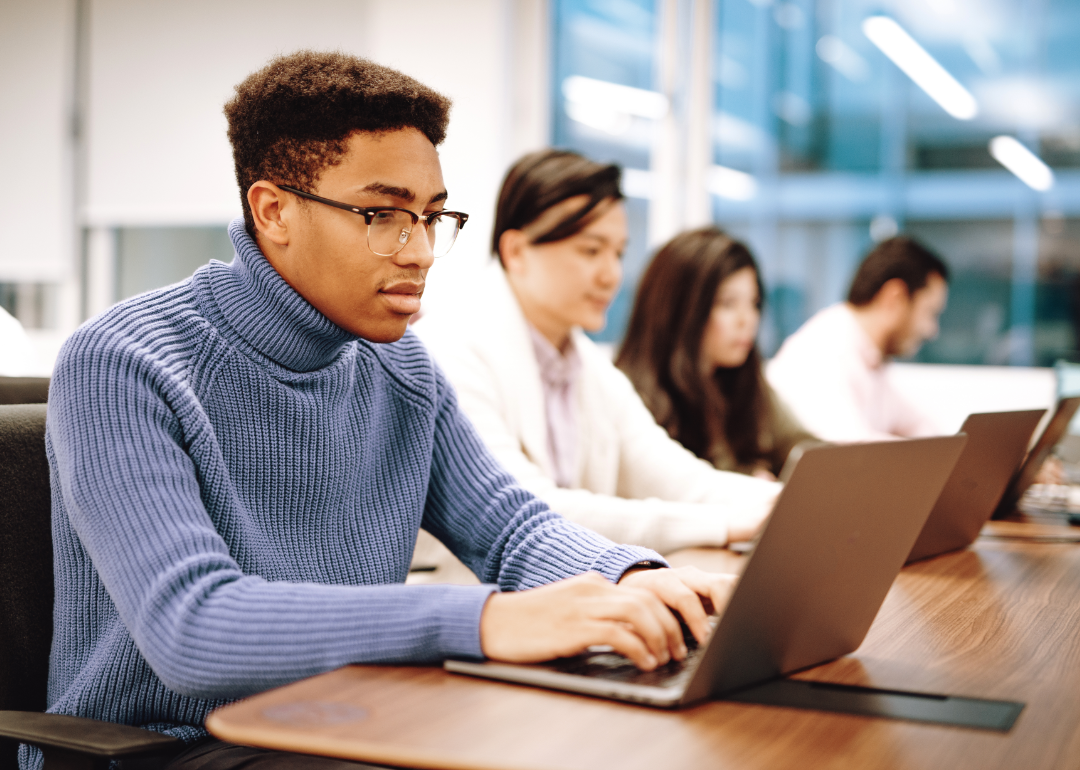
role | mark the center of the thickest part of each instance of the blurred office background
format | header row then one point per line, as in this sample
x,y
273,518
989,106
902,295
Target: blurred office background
x,y
797,125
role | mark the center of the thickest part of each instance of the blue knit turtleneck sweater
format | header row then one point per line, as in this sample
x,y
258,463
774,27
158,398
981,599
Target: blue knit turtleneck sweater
x,y
237,486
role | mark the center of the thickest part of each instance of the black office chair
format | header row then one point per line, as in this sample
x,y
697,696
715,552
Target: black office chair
x,y
24,390
26,599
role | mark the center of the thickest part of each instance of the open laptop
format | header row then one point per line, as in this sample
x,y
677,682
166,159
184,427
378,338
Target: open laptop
x,y
1048,439
835,541
996,446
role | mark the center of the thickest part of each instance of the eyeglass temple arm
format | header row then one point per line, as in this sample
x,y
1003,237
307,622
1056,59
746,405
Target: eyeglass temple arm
x,y
365,213
368,214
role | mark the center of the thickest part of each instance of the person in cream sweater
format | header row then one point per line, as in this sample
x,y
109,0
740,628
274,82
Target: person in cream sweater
x,y
546,400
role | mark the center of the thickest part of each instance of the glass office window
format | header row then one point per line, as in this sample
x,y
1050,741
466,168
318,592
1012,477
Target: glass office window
x,y
598,44
34,304
151,257
824,143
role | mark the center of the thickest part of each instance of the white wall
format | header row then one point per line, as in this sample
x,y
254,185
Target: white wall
x,y
159,75
36,200
160,72
948,394
463,57
490,57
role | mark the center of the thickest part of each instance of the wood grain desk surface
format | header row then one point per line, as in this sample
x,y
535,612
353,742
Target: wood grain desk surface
x,y
1000,620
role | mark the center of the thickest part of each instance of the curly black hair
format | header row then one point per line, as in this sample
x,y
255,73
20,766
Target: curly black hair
x,y
290,121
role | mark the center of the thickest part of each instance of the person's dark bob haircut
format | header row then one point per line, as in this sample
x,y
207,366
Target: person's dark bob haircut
x,y
291,120
900,257
544,178
712,413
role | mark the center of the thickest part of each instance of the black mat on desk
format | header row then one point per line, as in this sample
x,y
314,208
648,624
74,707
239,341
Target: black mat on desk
x,y
892,704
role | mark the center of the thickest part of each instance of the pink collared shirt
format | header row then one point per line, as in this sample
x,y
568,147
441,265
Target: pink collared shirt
x,y
559,375
834,378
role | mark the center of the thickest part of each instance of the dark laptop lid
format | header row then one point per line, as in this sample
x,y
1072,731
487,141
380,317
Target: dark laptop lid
x,y
1051,435
997,443
839,534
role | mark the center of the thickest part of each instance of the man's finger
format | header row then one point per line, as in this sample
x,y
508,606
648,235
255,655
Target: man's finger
x,y
675,645
628,643
713,588
648,618
688,604
694,594
674,592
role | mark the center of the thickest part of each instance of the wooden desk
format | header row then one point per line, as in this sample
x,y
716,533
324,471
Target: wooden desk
x,y
1001,620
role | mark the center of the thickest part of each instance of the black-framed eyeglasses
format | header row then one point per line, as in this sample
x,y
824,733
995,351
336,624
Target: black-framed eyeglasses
x,y
389,228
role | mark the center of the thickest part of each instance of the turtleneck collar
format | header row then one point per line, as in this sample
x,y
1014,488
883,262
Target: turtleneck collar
x,y
269,314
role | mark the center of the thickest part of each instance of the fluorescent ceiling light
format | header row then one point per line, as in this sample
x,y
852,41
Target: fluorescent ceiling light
x,y
921,67
1023,162
722,181
731,131
843,58
599,117
792,108
789,16
731,184
883,227
612,97
731,73
1026,102
982,53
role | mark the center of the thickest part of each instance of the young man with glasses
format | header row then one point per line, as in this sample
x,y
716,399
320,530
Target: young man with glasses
x,y
241,462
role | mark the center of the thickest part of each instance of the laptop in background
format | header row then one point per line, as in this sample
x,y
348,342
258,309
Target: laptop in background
x,y
997,443
825,559
1067,378
1025,476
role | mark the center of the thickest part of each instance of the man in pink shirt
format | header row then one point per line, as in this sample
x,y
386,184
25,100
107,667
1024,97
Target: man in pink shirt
x,y
832,371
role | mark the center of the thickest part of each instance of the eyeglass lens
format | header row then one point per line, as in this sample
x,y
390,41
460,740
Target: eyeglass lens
x,y
390,230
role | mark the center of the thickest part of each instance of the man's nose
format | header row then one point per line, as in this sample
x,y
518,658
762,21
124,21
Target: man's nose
x,y
417,251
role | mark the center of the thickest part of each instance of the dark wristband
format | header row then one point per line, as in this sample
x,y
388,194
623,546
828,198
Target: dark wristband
x,y
642,565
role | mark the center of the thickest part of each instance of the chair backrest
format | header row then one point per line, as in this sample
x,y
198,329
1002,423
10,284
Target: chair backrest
x,y
26,563
24,390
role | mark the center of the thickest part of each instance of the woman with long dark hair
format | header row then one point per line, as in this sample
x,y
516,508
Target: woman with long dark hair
x,y
547,401
691,353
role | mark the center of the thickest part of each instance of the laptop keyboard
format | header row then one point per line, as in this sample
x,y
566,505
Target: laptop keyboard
x,y
604,663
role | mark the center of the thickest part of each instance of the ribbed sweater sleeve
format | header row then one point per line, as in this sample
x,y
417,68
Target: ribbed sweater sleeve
x,y
207,629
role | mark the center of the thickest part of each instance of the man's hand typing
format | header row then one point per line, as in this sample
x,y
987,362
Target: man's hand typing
x,y
634,617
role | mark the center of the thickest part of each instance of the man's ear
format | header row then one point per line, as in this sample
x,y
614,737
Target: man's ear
x,y
268,205
512,244
894,294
